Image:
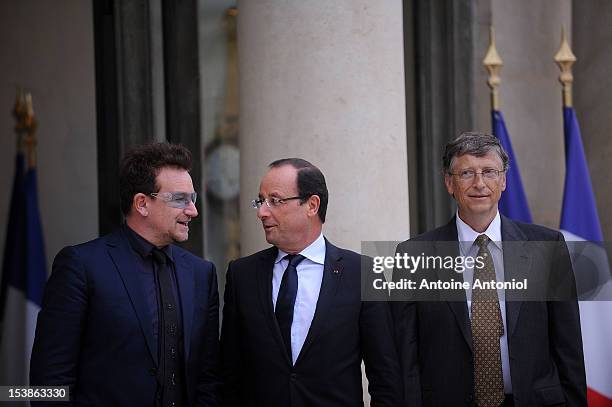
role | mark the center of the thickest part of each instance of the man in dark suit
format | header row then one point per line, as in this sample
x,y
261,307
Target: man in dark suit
x,y
129,319
477,348
294,327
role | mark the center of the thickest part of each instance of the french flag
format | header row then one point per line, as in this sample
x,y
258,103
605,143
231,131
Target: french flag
x,y
513,202
23,277
581,228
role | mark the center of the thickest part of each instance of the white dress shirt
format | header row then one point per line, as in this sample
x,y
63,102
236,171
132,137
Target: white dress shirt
x,y
310,276
467,247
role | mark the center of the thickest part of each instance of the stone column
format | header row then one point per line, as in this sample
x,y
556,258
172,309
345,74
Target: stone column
x,y
324,81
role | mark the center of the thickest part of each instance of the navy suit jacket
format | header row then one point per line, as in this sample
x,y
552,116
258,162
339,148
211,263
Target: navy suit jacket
x,y
257,368
544,339
94,330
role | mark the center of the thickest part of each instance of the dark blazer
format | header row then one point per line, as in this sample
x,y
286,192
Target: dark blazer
x,y
94,332
544,339
257,368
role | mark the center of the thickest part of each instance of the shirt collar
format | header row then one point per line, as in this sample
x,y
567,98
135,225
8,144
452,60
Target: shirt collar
x,y
142,246
315,252
466,234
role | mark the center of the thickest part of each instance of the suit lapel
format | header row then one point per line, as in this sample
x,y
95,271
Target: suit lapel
x,y
517,262
264,270
332,274
459,308
186,286
119,251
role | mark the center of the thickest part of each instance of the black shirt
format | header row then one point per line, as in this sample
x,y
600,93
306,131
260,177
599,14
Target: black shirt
x,y
146,271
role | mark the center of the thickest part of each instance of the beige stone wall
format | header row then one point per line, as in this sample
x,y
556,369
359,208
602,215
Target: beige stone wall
x,y
592,37
47,47
528,34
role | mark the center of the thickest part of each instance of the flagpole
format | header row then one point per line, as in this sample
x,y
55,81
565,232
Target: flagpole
x,y
565,58
513,202
493,62
19,111
30,125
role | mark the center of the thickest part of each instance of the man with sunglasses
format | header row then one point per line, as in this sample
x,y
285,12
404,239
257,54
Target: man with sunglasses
x,y
130,319
294,328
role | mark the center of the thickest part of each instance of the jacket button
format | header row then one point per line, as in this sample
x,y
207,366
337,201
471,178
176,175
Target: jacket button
x,y
293,376
152,371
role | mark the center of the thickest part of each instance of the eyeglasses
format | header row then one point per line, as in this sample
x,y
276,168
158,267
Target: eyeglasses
x,y
487,173
179,200
272,202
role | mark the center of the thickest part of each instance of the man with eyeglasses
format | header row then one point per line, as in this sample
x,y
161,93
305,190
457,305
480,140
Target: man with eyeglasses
x,y
130,319
294,328
491,346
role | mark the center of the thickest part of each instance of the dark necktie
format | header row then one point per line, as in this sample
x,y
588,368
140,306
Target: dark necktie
x,y
487,328
286,299
169,372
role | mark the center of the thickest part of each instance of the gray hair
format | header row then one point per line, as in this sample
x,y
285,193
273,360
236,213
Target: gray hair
x,y
473,143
